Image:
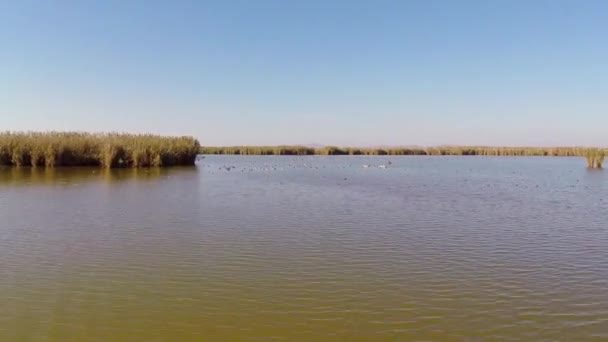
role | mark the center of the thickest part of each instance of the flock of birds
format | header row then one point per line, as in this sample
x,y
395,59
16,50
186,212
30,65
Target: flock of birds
x,y
381,166
291,166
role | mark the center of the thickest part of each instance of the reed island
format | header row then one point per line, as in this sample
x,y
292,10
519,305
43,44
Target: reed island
x,y
108,150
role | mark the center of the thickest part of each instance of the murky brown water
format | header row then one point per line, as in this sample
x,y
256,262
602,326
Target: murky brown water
x,y
307,249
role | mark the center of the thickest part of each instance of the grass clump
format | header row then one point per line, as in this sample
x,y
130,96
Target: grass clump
x,y
109,150
332,151
595,157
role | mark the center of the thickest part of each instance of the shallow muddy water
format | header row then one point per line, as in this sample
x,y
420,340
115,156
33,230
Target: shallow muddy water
x,y
307,249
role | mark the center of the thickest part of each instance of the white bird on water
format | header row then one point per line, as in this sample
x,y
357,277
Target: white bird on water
x,y
382,166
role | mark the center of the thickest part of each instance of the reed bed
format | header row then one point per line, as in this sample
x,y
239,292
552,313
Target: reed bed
x,y
595,157
109,150
448,150
260,150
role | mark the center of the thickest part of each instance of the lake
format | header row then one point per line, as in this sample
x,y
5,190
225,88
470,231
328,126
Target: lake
x,y
312,248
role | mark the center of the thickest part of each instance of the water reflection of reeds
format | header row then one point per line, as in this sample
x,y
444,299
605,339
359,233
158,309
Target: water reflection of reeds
x,y
26,176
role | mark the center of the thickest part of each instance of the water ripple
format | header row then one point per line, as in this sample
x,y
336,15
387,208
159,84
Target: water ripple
x,y
309,249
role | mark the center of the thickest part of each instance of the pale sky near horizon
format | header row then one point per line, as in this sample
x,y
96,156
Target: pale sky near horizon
x,y
310,72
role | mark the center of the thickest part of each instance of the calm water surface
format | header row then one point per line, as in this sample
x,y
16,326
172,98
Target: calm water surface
x,y
307,249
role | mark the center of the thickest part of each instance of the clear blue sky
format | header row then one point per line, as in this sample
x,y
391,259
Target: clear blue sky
x,y
301,72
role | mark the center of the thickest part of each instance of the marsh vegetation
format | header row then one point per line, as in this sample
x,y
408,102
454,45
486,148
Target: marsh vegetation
x,y
260,150
595,157
440,150
109,150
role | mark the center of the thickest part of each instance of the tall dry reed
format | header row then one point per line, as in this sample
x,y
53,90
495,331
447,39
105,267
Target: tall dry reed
x,y
50,149
595,157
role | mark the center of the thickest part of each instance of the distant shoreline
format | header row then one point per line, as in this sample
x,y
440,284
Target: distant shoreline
x,y
593,155
403,151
